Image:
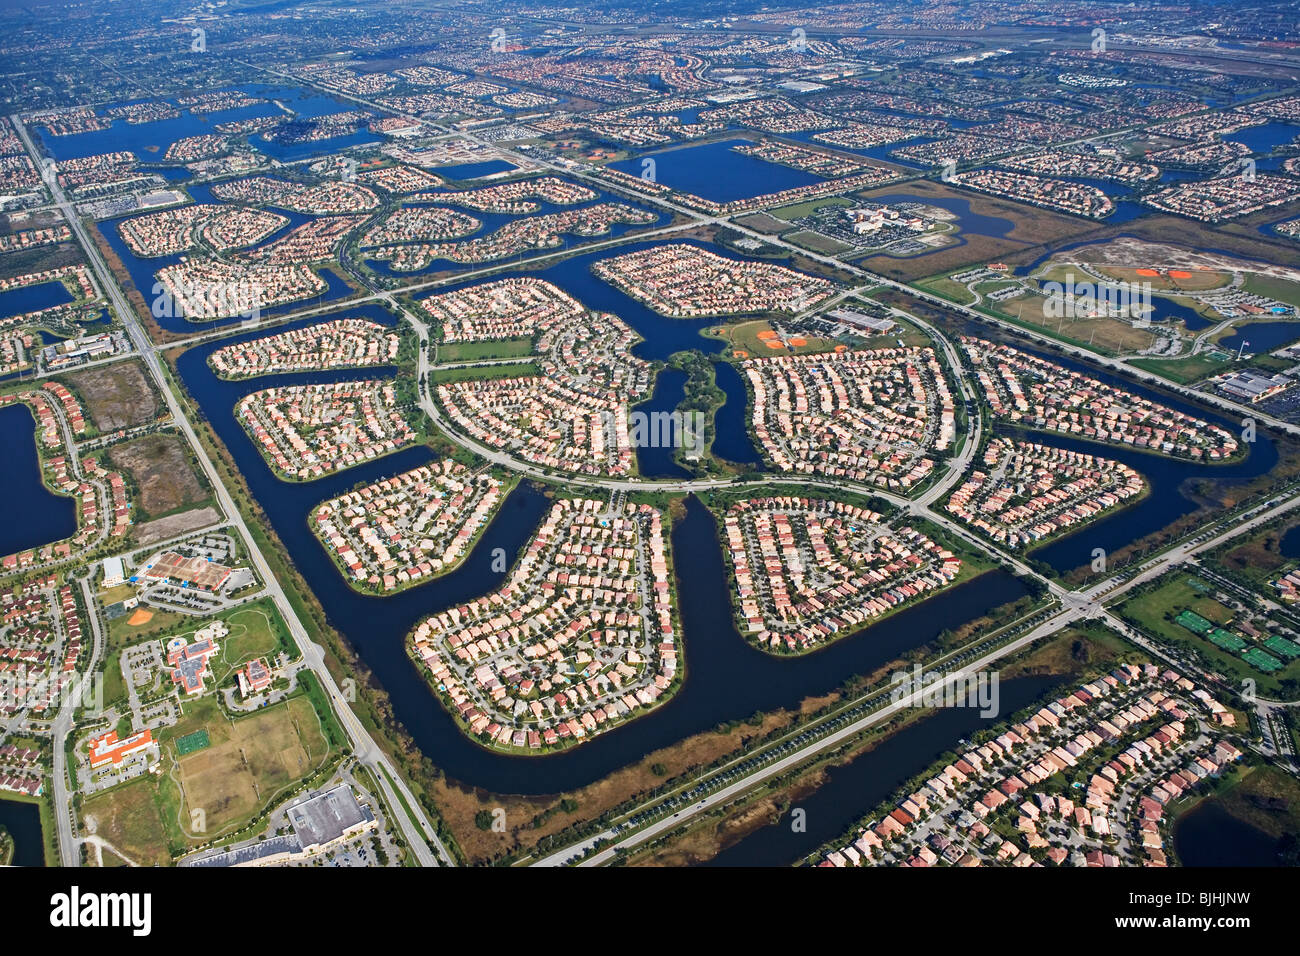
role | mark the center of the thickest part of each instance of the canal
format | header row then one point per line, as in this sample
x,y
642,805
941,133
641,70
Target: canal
x,y
853,789
726,679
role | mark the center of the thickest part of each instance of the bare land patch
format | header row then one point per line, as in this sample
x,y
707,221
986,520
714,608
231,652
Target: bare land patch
x,y
165,480
127,816
160,529
117,395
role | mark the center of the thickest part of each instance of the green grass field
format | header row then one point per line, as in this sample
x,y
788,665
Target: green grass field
x,y
474,351
247,762
1193,368
122,633
255,631
799,210
192,743
743,338
442,376
1284,290
948,289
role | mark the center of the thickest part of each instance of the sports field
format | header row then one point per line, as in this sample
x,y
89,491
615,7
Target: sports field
x,y
248,762
191,743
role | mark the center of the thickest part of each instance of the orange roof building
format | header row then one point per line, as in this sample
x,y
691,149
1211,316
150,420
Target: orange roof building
x,y
106,748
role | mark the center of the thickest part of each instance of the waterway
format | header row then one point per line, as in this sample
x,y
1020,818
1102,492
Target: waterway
x,y
1261,336
492,222
1164,309
725,678
853,789
1289,545
143,272
655,445
150,141
1171,481
661,336
993,226
1265,138
731,439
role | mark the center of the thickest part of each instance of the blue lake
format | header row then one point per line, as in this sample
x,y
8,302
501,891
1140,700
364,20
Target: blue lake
x,y
29,298
993,226
1289,544
1265,138
23,821
726,679
150,141
143,271
662,336
853,789
1170,479
1126,210
717,172
1169,499
44,517
491,222
1166,310
307,149
732,440
1262,336
655,460
474,170
1209,835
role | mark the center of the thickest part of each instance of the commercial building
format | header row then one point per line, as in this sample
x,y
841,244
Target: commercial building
x,y
114,573
329,817
1251,386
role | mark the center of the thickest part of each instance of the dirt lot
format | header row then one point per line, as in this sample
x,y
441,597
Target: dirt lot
x,y
161,529
116,395
160,467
